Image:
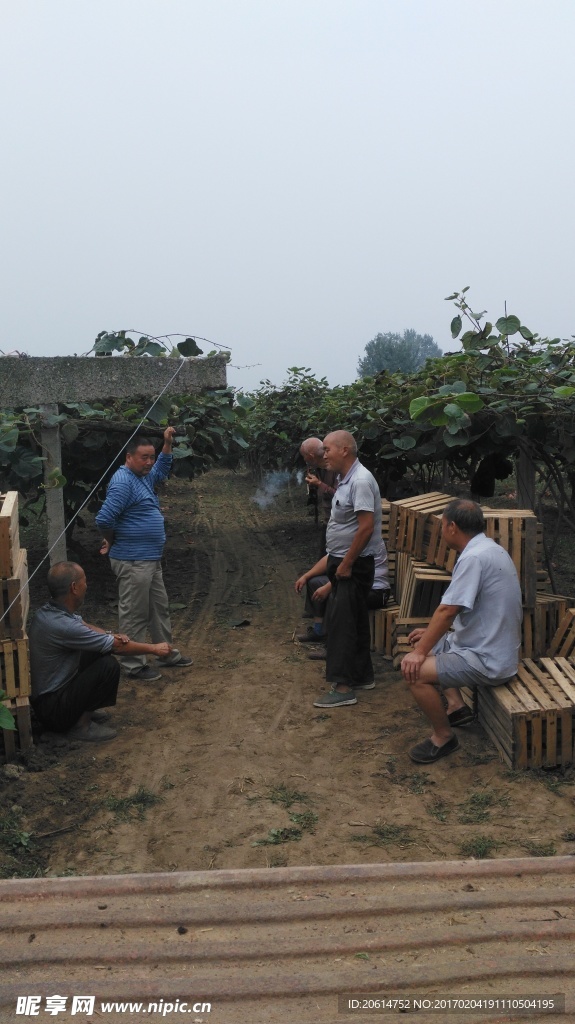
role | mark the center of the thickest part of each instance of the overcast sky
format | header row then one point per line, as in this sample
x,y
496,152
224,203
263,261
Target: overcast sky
x,y
283,177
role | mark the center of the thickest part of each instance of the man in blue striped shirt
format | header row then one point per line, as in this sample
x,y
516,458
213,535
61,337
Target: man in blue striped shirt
x,y
134,536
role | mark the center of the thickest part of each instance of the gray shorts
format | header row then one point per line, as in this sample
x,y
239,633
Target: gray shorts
x,y
454,670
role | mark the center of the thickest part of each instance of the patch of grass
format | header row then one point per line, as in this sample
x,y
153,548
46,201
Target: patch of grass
x,y
479,847
307,820
282,794
438,809
276,836
478,806
535,849
19,856
553,779
568,836
417,782
134,805
386,835
471,759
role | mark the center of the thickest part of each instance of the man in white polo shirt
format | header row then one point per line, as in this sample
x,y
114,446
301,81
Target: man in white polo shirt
x,y
483,604
353,539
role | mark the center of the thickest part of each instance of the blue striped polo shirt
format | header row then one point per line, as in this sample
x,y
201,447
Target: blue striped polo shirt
x,y
132,511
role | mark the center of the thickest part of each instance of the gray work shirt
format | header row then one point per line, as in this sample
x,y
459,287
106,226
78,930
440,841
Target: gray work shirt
x,y
357,492
487,631
58,638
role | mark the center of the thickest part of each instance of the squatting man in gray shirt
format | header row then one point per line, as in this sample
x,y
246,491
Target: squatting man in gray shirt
x,y
483,604
74,673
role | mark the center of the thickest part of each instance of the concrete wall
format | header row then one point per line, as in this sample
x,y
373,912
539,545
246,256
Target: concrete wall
x,y
35,380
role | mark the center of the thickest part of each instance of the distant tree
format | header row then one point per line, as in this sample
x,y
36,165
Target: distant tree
x,y
403,353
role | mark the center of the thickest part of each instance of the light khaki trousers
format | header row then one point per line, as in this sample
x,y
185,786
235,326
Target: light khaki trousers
x,y
142,606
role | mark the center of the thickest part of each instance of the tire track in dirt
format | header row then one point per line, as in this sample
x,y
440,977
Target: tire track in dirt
x,y
209,730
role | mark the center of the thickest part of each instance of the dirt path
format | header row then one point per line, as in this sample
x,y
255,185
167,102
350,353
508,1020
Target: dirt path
x,y
244,771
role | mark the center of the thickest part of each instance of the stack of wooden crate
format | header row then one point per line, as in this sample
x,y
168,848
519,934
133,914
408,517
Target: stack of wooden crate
x,y
14,605
530,719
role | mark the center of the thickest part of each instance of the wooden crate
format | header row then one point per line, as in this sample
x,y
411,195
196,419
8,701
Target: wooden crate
x,y
436,551
530,719
385,508
15,668
540,624
383,619
15,600
19,741
408,517
402,627
563,643
516,531
422,589
9,533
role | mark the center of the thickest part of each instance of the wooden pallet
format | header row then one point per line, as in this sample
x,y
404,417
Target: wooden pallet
x,y
9,533
15,600
15,668
18,741
385,510
408,517
530,719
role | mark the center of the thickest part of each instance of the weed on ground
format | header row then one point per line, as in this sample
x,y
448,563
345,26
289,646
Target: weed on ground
x,y
134,805
479,847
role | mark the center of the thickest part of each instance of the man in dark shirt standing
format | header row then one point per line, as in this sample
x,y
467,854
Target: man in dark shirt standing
x,y
134,536
74,673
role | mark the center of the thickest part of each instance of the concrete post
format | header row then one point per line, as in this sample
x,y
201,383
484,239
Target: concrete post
x,y
52,452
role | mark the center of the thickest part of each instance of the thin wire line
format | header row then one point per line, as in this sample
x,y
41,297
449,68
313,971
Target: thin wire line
x,y
95,487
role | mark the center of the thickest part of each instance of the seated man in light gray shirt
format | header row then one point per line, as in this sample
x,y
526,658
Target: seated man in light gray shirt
x,y
483,604
74,674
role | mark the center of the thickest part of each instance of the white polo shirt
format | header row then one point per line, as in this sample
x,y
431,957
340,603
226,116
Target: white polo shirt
x,y
357,492
487,632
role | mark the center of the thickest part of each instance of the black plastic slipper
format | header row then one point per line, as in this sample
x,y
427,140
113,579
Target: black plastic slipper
x,y
427,752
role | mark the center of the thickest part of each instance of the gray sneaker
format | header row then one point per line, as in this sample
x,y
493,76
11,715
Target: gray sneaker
x,y
93,734
146,674
333,699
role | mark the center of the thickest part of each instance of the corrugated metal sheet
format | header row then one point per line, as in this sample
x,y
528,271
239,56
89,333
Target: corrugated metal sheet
x,y
283,944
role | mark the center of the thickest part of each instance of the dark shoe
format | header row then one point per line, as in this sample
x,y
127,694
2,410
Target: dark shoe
x,y
146,674
100,716
310,637
462,716
93,734
427,752
317,656
333,699
365,686
175,661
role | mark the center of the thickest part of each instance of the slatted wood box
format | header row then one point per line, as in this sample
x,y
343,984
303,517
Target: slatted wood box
x,y
15,600
15,668
401,629
408,517
530,719
422,589
19,741
540,625
383,619
563,643
9,534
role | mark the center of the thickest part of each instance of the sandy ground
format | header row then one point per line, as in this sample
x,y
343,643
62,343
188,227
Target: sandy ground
x,y
228,764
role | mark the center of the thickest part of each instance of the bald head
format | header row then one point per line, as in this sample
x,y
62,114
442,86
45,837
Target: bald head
x,y
340,451
311,451
67,584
